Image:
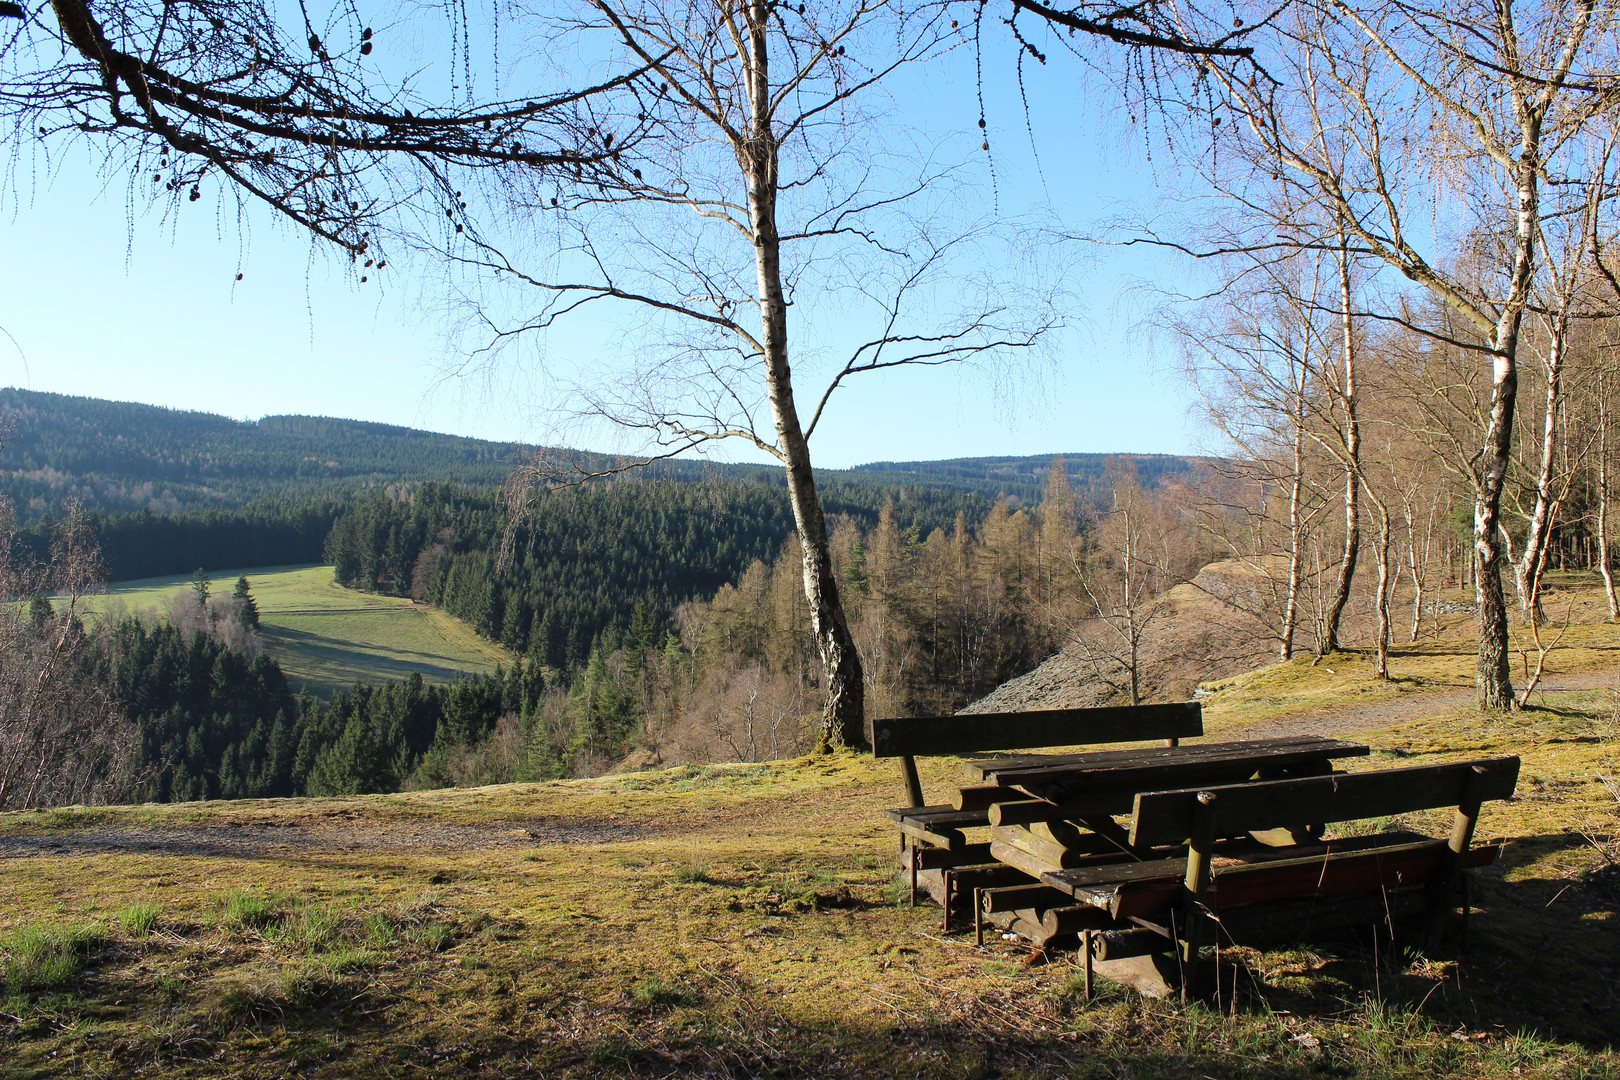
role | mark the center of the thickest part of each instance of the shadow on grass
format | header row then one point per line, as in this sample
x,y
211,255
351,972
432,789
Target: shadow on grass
x,y
722,1024
336,663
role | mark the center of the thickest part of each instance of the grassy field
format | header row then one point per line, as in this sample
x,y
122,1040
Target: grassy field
x,y
325,636
745,920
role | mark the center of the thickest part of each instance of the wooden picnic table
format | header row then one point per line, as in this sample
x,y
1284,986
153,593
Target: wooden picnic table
x,y
1142,856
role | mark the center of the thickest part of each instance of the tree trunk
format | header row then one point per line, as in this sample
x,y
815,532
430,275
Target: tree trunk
x,y
1527,571
843,719
1385,530
1603,497
1495,677
1418,572
1296,541
1352,463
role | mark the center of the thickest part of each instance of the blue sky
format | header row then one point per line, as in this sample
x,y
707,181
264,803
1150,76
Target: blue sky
x,y
108,302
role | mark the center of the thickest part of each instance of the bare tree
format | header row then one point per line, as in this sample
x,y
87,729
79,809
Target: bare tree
x,y
1253,367
1605,379
768,186
1369,112
63,738
183,96
1562,305
1131,563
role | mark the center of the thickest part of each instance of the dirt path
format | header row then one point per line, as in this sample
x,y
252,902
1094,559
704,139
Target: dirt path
x,y
259,840
1356,719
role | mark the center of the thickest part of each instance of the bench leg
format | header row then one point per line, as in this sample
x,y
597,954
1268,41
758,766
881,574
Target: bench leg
x,y
908,775
1195,891
1085,947
1449,878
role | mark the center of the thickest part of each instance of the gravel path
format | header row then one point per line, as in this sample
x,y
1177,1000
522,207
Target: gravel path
x,y
1355,719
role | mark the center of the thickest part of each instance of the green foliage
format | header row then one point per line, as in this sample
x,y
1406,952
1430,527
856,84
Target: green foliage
x,y
272,532
121,456
694,873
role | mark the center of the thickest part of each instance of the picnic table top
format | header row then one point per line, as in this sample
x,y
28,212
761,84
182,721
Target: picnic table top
x,y
1119,767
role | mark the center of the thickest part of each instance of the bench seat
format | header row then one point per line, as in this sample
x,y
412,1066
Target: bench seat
x,y
940,826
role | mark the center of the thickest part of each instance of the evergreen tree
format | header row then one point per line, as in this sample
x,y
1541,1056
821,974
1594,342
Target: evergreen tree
x,y
248,613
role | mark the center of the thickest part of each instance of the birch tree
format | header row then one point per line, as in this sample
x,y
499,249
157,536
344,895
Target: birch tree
x,y
770,198
1385,114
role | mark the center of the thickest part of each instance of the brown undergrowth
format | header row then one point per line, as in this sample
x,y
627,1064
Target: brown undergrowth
x,y
737,921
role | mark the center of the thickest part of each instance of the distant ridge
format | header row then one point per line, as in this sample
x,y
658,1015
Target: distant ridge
x,y
127,457
1023,478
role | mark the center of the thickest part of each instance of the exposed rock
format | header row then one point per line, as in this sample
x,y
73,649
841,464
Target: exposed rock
x,y
1200,631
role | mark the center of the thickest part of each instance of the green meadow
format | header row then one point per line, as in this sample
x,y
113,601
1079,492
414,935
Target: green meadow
x,y
325,636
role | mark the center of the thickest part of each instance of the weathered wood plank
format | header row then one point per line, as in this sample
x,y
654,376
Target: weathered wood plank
x,y
949,839
1031,811
1132,755
1155,769
1032,895
1032,865
1057,921
965,734
982,796
945,817
933,858
1048,850
1110,877
1164,817
1271,924
1338,874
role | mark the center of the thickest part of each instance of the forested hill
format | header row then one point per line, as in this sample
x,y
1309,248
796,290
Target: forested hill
x,y
120,457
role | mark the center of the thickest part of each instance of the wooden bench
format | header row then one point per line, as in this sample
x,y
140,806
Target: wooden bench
x,y
1200,878
931,836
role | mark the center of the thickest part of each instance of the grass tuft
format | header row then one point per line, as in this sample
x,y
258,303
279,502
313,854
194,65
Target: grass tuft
x,y
246,911
139,920
654,993
39,958
693,873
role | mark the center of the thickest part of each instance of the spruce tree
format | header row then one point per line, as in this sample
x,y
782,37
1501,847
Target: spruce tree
x,y
248,613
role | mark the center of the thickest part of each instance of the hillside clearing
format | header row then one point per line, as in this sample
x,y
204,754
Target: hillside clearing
x,y
326,637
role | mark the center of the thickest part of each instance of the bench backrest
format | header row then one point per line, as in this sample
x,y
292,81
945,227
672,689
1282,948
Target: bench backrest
x,y
1166,817
967,733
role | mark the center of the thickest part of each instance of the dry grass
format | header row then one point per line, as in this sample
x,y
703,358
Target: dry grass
x,y
744,921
